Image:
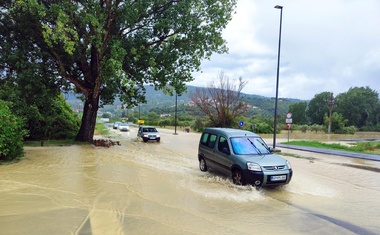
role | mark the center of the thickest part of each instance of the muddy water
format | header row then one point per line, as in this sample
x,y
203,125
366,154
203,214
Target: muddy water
x,y
157,188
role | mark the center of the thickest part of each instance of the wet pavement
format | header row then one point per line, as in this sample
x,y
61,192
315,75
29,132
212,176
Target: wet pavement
x,y
157,188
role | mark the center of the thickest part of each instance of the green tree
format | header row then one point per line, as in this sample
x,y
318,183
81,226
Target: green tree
x,y
109,48
298,111
198,125
45,111
12,133
221,101
338,123
359,105
318,107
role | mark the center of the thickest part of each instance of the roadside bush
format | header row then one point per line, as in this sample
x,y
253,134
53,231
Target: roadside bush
x,y
164,123
263,128
317,128
198,125
349,130
11,134
304,128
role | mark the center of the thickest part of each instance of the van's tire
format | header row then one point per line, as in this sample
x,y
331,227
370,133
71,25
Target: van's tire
x,y
145,140
202,164
238,178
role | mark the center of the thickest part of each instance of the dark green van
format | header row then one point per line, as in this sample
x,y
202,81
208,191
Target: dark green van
x,y
244,156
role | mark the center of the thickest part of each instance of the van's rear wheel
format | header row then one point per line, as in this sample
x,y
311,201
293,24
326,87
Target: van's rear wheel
x,y
202,164
238,178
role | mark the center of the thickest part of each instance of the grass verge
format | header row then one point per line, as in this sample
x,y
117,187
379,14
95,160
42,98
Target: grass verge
x,y
358,147
100,129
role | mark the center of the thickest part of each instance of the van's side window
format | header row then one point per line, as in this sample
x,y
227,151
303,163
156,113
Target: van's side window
x,y
212,141
223,145
208,140
204,138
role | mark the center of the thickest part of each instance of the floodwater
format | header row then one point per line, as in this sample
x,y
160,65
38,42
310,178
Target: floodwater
x,y
157,188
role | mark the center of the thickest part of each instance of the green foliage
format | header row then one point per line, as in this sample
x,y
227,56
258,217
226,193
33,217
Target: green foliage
x,y
298,111
107,50
198,125
100,129
349,130
365,147
12,133
106,115
318,128
318,108
360,106
263,128
303,128
164,123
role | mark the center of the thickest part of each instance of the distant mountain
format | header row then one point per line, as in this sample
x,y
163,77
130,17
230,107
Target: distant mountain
x,y
157,99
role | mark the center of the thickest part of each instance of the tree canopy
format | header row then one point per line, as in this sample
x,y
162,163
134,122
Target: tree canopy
x,y
109,48
318,107
360,106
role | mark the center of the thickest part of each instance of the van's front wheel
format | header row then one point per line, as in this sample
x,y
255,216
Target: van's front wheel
x,y
202,164
238,178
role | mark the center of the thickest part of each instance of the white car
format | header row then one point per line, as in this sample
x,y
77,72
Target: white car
x,y
123,127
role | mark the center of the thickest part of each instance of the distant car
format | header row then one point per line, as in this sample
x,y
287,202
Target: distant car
x,y
148,133
115,125
244,156
123,127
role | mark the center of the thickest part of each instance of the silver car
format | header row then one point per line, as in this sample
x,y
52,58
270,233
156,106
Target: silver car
x,y
148,133
116,124
244,156
123,127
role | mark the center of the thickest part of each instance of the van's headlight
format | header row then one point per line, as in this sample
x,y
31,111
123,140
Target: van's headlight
x,y
288,164
253,166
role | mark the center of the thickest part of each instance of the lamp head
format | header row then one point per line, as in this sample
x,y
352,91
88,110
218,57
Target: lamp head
x,y
278,7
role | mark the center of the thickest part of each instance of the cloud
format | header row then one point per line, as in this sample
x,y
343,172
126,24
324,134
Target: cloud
x,y
326,46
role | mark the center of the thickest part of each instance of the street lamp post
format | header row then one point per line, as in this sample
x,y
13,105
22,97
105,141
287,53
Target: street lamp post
x,y
277,81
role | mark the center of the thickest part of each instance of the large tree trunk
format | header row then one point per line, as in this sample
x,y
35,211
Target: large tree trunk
x,y
87,128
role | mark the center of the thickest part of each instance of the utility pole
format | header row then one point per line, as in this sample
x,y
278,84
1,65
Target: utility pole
x,y
331,103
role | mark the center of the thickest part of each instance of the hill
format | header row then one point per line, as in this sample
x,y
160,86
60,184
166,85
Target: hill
x,y
157,99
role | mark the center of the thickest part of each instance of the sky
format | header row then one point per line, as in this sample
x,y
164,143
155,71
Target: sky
x,y
326,45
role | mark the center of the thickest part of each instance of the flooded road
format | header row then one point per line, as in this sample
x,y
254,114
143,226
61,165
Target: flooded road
x,y
157,188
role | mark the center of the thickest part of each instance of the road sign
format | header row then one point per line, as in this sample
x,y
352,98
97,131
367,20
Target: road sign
x,y
241,123
288,120
288,126
289,115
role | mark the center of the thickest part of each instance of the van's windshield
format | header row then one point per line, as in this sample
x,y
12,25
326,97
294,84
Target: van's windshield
x,y
249,145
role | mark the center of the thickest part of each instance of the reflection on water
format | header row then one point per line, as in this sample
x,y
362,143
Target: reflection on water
x,y
157,188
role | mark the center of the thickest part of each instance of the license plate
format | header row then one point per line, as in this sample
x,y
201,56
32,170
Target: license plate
x,y
278,177
152,138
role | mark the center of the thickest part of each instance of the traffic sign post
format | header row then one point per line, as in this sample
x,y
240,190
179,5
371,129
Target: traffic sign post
x,y
288,121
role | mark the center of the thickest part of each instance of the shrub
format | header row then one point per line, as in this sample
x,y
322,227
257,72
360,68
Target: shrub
x,y
11,134
304,128
198,125
263,128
